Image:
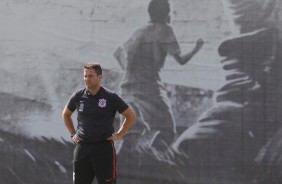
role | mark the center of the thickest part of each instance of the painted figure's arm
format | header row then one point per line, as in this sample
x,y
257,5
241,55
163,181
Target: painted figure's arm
x,y
183,59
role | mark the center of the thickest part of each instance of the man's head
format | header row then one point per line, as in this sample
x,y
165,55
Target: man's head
x,y
92,75
159,10
95,66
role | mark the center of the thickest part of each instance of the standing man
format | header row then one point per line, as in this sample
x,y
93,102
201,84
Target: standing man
x,y
94,154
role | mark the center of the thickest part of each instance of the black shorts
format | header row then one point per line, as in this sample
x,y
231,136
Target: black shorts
x,y
92,160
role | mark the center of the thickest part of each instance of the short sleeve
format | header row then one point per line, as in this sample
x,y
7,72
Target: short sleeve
x,y
119,103
71,104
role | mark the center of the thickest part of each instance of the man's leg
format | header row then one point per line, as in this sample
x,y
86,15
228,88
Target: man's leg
x,y
82,168
104,162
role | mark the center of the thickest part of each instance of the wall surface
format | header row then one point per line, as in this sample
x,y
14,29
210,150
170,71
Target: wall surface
x,y
222,102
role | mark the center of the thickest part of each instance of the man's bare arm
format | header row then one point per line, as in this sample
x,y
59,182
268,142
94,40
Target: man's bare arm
x,y
130,117
66,115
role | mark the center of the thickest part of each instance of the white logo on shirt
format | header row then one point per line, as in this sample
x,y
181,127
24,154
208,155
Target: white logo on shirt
x,y
102,102
81,105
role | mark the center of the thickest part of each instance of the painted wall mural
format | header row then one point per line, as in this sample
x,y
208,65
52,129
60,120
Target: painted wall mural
x,y
204,82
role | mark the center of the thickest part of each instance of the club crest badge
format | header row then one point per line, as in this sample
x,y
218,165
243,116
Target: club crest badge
x,y
102,103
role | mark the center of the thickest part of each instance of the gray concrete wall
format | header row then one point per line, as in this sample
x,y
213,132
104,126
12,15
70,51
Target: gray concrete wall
x,y
43,46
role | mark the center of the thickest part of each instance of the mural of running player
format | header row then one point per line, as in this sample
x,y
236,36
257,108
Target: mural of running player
x,y
142,58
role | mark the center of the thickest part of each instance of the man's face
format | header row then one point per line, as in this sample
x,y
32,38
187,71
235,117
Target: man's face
x,y
91,79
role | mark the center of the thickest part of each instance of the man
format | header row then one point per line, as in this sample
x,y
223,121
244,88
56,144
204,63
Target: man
x,y
94,155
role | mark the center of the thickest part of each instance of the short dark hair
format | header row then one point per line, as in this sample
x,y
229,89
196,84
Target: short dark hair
x,y
96,66
159,10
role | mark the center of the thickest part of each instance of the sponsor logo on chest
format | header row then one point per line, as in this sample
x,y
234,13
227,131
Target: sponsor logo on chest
x,y
81,106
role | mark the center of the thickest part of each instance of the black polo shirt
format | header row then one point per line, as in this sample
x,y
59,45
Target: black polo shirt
x,y
95,113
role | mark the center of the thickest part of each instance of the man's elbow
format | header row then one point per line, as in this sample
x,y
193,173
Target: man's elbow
x,y
66,113
133,117
63,115
130,115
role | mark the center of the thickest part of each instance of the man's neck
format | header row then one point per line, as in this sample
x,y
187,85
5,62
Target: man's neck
x,y
94,91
